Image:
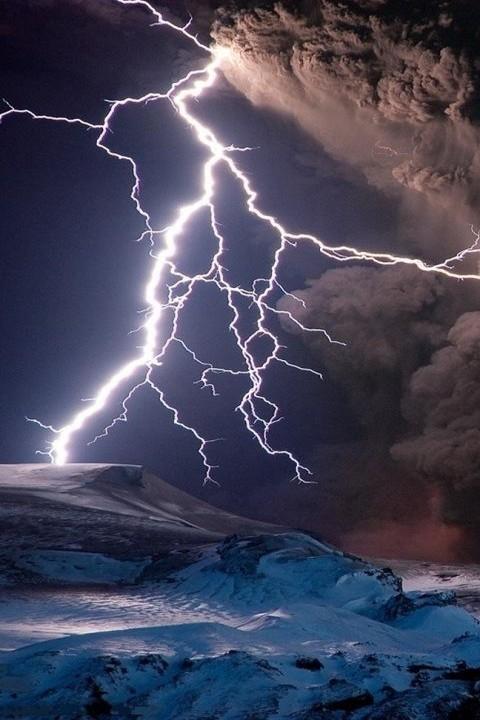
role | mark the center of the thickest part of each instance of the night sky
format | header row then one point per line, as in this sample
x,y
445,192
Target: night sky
x,y
354,152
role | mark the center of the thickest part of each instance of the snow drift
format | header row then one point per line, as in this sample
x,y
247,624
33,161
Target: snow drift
x,y
264,623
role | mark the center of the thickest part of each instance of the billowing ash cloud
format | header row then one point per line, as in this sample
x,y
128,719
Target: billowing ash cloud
x,y
411,371
392,321
442,406
386,317
384,90
390,90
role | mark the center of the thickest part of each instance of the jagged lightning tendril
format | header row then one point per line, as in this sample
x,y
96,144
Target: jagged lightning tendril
x,y
259,412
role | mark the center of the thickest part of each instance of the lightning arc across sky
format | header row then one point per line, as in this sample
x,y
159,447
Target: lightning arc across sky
x,y
260,413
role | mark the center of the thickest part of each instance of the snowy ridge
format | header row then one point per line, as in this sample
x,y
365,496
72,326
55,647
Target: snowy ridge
x,y
113,511
120,489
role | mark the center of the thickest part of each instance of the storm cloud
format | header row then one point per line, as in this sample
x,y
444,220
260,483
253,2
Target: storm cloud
x,y
442,407
394,322
390,91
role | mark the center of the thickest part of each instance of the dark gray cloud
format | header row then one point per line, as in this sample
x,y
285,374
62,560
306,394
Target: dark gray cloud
x,y
411,370
392,321
382,489
442,407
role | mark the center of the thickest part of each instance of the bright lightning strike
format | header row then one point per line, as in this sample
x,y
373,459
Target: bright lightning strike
x,y
259,412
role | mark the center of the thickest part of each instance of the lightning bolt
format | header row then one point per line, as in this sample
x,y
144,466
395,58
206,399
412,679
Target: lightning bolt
x,y
259,412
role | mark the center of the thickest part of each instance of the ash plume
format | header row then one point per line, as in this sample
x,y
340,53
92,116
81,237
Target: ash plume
x,y
384,88
395,321
390,91
442,407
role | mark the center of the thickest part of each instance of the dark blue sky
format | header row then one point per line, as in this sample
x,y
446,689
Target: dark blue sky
x,y
72,274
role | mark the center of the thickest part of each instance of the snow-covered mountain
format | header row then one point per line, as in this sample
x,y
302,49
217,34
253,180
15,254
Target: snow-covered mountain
x,y
214,618
121,512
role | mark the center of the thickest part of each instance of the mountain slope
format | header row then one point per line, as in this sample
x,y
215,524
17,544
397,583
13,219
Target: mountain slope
x,y
121,511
